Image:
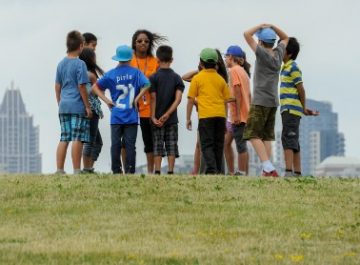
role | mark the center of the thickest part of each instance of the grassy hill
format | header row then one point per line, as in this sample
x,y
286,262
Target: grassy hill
x,y
109,219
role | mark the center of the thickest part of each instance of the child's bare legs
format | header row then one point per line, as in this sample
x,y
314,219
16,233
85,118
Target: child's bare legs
x,y
243,162
171,163
88,162
123,156
268,148
76,152
229,153
289,159
61,155
197,157
157,161
263,150
297,163
150,162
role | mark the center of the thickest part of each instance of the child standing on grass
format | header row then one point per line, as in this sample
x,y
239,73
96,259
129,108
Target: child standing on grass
x,y
292,101
239,72
74,107
211,92
91,150
166,92
126,84
260,125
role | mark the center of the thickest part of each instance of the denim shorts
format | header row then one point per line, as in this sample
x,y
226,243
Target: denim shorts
x,y
238,132
290,131
74,127
168,136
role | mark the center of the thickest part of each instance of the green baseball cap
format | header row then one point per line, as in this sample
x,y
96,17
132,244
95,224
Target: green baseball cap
x,y
209,55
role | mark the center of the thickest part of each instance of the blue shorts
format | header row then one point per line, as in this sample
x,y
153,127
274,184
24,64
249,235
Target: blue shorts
x,y
74,127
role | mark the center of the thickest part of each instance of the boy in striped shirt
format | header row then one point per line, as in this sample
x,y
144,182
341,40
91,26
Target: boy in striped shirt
x,y
292,101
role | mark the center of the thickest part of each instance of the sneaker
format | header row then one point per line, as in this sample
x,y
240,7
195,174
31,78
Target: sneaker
x,y
239,173
270,174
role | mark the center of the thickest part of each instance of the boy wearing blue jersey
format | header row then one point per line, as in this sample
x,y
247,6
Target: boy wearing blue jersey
x,y
74,107
292,101
126,85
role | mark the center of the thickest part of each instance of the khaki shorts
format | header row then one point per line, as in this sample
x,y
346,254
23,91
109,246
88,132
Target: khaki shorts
x,y
261,123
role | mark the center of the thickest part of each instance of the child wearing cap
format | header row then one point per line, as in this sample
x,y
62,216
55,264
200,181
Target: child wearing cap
x,y
211,92
126,85
239,72
292,101
260,126
166,92
74,107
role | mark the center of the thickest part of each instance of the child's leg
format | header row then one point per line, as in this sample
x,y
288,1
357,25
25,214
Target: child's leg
x,y
116,135
220,128
171,145
243,162
130,133
241,148
88,148
207,143
297,163
197,156
228,151
76,152
158,135
61,155
146,132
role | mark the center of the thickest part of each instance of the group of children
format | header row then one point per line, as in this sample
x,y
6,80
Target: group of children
x,y
144,88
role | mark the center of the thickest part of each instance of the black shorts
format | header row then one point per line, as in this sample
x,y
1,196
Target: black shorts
x,y
238,131
168,136
290,131
146,131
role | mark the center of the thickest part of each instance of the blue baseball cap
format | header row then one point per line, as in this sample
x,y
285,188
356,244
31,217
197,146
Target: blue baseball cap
x,y
124,53
267,35
235,50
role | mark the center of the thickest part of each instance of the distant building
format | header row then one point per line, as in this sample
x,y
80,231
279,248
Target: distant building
x,y
183,165
19,138
336,166
319,138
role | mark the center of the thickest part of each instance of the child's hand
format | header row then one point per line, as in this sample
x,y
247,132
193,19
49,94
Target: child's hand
x,y
188,125
309,112
89,113
135,105
156,122
164,118
110,104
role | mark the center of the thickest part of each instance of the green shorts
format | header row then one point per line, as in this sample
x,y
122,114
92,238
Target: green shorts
x,y
261,123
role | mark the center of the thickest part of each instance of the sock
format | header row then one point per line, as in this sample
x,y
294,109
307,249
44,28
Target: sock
x,y
157,172
60,172
170,172
268,166
297,173
288,173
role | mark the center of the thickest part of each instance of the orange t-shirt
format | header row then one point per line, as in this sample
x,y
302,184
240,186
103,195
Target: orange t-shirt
x,y
148,66
239,80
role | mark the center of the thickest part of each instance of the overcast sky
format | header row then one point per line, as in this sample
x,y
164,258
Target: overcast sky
x,y
32,39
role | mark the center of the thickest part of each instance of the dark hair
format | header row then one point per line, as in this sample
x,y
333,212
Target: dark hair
x,y
221,67
208,65
293,48
164,53
267,44
89,57
153,39
89,37
245,64
74,40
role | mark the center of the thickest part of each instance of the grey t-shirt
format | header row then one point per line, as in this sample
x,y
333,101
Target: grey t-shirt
x,y
266,76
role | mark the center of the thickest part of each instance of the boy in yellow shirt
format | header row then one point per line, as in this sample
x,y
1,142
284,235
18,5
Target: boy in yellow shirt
x,y
211,92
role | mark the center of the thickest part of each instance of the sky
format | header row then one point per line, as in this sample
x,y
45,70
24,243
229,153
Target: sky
x,y
33,33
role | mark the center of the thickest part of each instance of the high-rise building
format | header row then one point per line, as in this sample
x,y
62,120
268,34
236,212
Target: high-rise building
x,y
19,138
319,138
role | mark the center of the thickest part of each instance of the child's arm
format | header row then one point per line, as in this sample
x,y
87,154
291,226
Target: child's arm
x,y
138,97
189,108
248,35
188,76
172,108
84,96
282,35
237,90
97,91
57,92
155,121
301,92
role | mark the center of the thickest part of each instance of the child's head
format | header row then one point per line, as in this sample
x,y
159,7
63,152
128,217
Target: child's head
x,y
292,49
123,54
209,58
236,56
164,54
89,57
267,37
74,41
90,40
143,41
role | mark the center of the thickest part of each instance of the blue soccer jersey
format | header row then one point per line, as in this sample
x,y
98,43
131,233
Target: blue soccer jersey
x,y
124,83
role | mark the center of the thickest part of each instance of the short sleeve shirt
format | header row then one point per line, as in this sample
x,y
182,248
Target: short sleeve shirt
x,y
266,76
70,73
165,83
124,83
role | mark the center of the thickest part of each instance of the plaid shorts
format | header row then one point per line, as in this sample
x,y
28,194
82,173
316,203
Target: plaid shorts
x,y
261,123
74,127
167,135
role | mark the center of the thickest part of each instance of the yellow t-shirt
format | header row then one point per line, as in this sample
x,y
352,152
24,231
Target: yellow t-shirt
x,y
148,66
211,91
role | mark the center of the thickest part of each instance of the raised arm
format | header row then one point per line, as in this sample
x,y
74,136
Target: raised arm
x,y
249,36
188,76
282,35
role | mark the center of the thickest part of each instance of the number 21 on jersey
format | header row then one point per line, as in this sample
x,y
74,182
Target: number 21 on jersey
x,y
126,98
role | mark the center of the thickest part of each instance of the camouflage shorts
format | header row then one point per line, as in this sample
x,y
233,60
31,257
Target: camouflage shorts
x,y
261,123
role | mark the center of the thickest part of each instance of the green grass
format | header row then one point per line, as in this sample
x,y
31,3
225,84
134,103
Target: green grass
x,y
109,219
